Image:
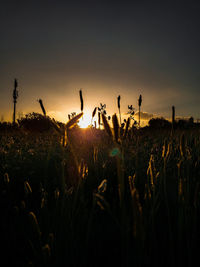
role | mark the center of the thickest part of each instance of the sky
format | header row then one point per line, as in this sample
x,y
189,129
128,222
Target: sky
x,y
107,48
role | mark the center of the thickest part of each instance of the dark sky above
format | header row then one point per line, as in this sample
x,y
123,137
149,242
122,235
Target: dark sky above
x,y
54,48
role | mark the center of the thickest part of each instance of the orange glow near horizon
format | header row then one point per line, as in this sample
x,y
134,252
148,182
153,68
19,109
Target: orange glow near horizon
x,y
85,121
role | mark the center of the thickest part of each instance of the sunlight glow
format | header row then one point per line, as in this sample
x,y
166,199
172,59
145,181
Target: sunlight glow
x,y
85,121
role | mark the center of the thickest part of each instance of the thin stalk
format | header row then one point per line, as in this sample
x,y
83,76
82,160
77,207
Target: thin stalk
x,y
118,103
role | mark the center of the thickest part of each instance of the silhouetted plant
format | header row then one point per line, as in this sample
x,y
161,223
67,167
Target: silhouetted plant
x,y
101,110
106,125
15,96
116,128
72,115
36,122
139,104
131,113
127,127
99,119
7,126
73,121
173,117
118,104
42,107
158,123
81,99
191,121
93,114
185,124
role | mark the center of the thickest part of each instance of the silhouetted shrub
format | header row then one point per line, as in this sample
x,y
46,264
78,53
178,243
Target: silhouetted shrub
x,y
36,122
157,123
185,124
7,126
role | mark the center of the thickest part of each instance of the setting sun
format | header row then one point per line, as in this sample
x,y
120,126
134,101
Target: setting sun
x,y
85,121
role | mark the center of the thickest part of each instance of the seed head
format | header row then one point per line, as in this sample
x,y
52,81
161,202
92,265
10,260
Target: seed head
x,y
42,107
116,127
81,99
140,101
94,112
106,125
74,120
127,126
118,101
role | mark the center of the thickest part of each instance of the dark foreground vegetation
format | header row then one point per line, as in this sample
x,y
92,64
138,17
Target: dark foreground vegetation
x,y
89,197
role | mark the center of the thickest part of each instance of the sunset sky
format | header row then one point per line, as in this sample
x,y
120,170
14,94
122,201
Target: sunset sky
x,y
107,48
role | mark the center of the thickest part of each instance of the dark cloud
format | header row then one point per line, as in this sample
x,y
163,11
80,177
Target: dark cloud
x,y
56,47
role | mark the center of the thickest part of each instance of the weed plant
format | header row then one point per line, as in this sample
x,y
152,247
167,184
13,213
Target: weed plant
x,y
90,197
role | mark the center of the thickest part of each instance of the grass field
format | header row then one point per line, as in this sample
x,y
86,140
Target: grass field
x,y
90,199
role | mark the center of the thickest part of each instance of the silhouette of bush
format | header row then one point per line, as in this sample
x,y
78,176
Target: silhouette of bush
x,y
159,123
36,122
6,127
185,124
191,120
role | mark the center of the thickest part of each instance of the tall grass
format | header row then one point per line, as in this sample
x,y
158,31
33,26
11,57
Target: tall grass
x,y
105,197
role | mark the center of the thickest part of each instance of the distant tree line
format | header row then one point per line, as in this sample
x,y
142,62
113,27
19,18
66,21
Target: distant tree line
x,y
32,122
36,122
161,123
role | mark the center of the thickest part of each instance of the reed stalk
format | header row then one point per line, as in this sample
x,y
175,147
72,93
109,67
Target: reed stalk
x,y
42,107
99,120
127,127
106,125
118,104
139,104
93,114
81,99
116,127
15,96
173,117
